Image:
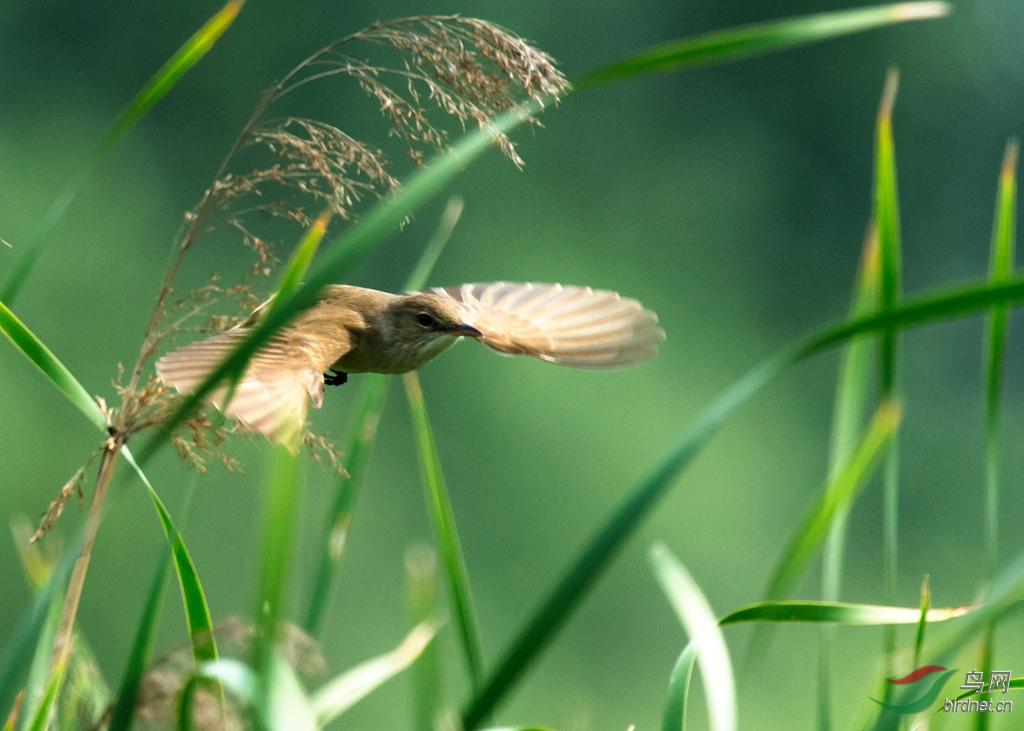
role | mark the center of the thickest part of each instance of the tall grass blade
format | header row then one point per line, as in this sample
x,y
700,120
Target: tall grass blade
x,y
165,78
358,241
674,716
1001,266
234,675
840,613
29,632
752,40
347,689
362,432
421,597
279,513
40,691
886,218
135,668
444,528
44,713
848,416
693,610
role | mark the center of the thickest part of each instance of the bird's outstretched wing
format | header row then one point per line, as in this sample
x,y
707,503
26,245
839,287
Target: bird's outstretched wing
x,y
572,326
273,393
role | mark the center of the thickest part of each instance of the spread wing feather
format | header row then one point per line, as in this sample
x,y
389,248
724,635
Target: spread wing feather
x,y
572,326
272,395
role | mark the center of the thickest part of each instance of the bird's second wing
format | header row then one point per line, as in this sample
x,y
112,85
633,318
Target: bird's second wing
x,y
273,393
571,326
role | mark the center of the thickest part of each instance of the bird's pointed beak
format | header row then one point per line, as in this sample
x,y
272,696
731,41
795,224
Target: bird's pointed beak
x,y
464,330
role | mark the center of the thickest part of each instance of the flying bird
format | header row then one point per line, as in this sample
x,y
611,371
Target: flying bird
x,y
357,330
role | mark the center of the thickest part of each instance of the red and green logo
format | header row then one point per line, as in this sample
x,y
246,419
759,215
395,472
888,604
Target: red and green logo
x,y
923,683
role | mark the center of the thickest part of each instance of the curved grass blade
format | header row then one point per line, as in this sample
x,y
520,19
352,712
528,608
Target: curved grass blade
x,y
421,598
347,689
361,435
693,610
674,716
848,416
752,40
840,613
166,77
47,362
447,534
131,681
886,217
197,611
358,241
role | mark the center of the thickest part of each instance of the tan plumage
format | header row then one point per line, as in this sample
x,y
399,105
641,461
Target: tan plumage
x,y
357,330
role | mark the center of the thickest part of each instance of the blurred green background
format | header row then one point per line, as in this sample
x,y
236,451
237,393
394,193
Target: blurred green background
x,y
731,200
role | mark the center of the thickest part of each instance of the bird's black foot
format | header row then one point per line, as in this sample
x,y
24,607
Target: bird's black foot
x,y
335,378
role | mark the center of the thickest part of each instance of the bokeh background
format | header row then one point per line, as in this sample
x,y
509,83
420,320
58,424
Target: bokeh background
x,y
732,200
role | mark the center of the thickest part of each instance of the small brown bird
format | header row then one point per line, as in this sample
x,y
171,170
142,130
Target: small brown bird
x,y
357,330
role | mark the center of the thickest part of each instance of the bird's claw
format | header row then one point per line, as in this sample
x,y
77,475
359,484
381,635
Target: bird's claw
x,y
335,378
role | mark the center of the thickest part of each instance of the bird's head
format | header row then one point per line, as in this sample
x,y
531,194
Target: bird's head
x,y
420,326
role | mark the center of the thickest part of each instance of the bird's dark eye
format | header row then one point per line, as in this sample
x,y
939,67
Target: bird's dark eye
x,y
425,320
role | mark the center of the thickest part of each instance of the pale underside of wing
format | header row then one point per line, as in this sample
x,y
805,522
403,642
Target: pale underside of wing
x,y
571,326
272,395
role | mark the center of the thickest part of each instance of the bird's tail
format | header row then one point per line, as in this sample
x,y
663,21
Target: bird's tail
x,y
271,396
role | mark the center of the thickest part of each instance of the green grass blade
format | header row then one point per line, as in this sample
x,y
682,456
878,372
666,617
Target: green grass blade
x,y
759,38
445,531
848,416
287,708
446,226
44,713
845,486
366,413
840,613
842,490
340,694
886,217
29,632
362,432
1001,266
297,267
674,717
693,610
279,513
131,681
196,609
53,369
166,77
40,691
922,622
351,248
421,582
